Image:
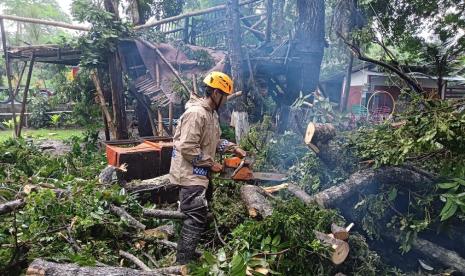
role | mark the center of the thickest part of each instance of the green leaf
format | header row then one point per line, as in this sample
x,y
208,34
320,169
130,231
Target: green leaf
x,y
448,210
448,185
392,194
237,266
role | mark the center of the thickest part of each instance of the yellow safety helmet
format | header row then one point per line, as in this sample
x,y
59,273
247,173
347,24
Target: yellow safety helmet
x,y
220,81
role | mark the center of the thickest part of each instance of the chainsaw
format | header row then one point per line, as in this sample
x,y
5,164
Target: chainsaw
x,y
240,169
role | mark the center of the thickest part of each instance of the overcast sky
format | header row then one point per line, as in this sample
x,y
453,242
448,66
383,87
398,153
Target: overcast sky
x,y
65,5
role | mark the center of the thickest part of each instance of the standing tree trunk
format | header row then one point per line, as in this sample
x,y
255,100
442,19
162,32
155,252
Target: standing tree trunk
x,y
235,57
307,49
116,84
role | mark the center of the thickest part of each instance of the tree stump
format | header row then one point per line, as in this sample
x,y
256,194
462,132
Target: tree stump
x,y
340,248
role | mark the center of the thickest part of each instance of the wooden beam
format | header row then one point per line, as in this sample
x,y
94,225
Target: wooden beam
x,y
15,93
174,71
170,118
26,90
101,98
269,20
8,74
252,30
44,22
190,14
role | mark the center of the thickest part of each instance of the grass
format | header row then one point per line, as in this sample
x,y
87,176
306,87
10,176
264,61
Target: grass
x,y
56,134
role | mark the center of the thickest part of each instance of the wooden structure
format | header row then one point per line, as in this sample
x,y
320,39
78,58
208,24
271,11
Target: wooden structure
x,y
208,28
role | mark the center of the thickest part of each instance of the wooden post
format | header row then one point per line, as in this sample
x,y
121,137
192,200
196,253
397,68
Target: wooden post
x,y
20,79
185,33
269,19
8,74
170,118
194,84
160,122
26,90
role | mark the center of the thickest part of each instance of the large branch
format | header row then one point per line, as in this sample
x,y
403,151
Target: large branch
x,y
41,267
10,206
163,214
373,178
388,66
130,219
44,22
189,14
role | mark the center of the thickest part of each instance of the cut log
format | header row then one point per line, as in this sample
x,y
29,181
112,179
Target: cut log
x,y
300,194
161,232
124,215
240,123
277,188
157,190
167,214
163,214
319,133
41,267
255,199
340,248
10,206
341,233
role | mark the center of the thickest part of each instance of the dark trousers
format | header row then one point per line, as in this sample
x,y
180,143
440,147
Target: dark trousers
x,y
193,203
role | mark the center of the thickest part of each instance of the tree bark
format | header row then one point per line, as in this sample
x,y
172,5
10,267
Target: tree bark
x,y
41,267
10,206
235,42
130,219
157,190
116,84
163,214
367,180
256,202
304,73
348,81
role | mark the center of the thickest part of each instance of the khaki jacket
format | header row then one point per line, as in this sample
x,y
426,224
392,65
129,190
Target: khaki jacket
x,y
196,140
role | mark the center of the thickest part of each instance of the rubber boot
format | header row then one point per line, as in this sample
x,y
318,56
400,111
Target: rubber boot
x,y
187,243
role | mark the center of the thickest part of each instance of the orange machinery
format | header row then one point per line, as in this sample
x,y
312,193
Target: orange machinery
x,y
145,160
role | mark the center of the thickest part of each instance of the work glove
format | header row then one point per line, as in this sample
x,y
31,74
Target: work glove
x,y
216,167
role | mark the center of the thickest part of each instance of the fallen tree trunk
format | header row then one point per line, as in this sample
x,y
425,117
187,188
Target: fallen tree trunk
x,y
254,198
369,180
157,190
10,206
361,181
41,267
442,255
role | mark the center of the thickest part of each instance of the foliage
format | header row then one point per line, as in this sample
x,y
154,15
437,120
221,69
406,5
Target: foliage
x,y
36,33
285,243
39,117
417,33
454,197
102,39
273,152
43,227
429,127
430,137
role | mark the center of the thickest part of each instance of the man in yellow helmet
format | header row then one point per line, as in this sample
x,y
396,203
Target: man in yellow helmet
x,y
196,141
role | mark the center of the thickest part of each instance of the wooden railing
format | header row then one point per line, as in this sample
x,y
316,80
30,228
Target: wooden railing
x,y
208,29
